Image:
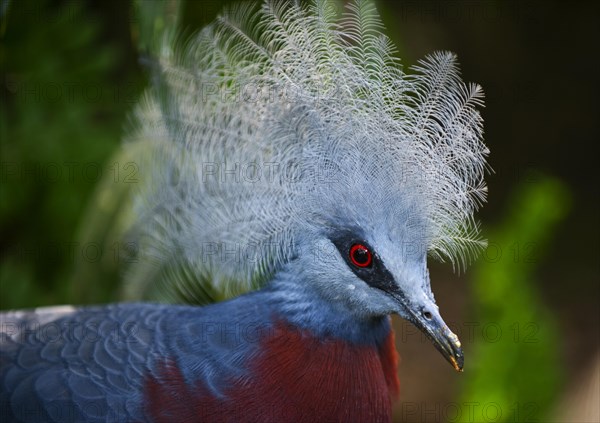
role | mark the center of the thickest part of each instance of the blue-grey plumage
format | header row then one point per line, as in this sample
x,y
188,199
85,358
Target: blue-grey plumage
x,y
93,364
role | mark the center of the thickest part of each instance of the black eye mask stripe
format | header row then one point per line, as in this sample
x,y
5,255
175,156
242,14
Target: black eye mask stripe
x,y
376,275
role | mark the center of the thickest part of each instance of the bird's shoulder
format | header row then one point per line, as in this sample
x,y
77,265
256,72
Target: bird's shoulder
x,y
72,363
92,363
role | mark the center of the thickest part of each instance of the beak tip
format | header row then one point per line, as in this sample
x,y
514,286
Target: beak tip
x,y
457,363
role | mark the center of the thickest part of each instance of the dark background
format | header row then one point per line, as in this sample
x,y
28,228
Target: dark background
x,y
71,74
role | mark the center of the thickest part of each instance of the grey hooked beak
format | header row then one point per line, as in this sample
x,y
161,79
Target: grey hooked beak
x,y
429,321
446,342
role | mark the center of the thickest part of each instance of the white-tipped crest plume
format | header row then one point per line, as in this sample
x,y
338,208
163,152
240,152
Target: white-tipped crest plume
x,y
272,122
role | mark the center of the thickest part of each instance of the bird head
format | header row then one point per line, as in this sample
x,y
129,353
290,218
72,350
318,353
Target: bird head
x,y
367,254
292,134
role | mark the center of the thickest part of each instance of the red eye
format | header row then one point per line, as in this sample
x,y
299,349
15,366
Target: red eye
x,y
360,256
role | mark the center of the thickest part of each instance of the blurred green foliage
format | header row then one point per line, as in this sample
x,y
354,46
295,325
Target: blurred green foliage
x,y
62,112
515,368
